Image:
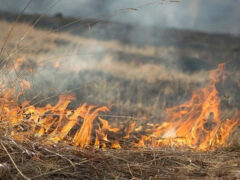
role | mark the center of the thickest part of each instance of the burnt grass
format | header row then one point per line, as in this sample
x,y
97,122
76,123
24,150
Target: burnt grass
x,y
133,93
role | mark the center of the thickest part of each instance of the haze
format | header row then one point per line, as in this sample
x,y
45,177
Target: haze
x,y
221,16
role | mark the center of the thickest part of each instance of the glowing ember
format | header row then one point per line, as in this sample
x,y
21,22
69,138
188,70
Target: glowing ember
x,y
196,124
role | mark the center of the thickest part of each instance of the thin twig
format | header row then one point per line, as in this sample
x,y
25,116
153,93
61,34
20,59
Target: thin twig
x,y
54,171
61,156
51,172
10,157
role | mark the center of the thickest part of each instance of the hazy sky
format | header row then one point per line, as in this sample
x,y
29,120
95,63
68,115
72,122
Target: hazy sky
x,y
204,15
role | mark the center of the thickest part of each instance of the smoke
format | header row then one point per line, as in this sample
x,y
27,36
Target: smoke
x,y
213,16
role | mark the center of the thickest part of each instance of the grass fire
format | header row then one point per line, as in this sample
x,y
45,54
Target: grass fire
x,y
196,124
80,101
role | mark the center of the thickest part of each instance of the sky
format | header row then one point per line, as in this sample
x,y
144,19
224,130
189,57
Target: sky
x,y
222,16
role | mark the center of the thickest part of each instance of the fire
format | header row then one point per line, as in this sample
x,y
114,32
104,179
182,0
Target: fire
x,y
197,124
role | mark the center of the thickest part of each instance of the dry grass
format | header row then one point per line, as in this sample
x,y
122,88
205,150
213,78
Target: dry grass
x,y
30,159
83,54
94,66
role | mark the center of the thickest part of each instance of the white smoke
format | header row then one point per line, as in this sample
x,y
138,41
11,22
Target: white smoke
x,y
203,15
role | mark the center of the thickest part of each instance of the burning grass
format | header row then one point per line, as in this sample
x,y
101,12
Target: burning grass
x,y
46,136
56,140
197,124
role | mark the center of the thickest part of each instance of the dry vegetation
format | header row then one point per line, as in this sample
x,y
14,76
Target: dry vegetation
x,y
138,80
62,161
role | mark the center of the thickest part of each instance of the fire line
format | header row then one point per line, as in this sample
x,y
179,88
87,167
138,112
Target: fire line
x,y
196,124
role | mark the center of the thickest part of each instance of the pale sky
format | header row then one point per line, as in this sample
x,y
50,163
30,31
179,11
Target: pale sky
x,y
204,15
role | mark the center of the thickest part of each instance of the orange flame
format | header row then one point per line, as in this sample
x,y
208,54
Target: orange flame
x,y
196,124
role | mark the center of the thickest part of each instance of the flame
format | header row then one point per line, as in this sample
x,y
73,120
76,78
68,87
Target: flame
x,y
197,123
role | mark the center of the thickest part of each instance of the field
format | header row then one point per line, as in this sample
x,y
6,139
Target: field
x,y
138,76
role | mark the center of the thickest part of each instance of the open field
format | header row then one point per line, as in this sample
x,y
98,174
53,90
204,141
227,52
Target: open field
x,y
138,79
